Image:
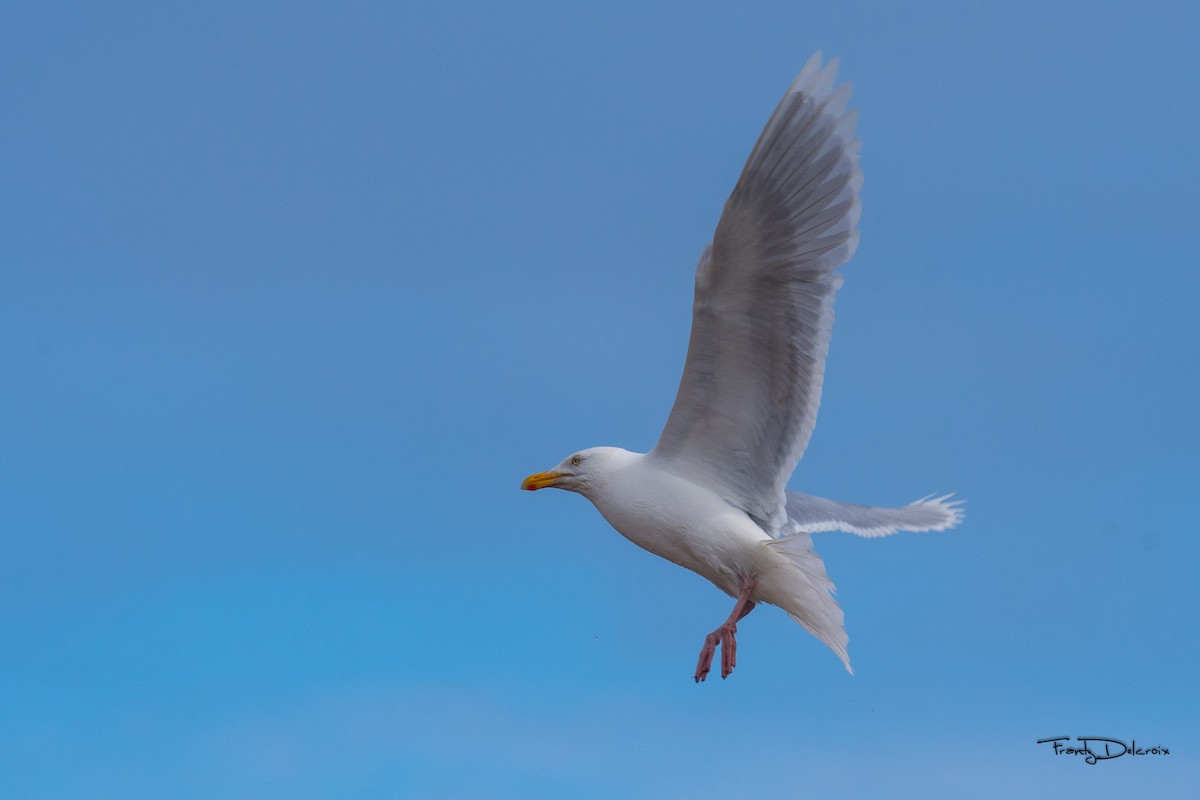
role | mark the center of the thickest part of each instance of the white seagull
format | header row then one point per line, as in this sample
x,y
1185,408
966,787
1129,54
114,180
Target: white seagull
x,y
711,495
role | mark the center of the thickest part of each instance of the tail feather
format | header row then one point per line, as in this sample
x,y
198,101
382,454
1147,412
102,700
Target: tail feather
x,y
806,593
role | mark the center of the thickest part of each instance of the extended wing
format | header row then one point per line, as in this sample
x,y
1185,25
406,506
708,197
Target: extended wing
x,y
815,514
763,310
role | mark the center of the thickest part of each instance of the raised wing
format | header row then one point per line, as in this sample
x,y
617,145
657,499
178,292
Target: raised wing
x,y
763,310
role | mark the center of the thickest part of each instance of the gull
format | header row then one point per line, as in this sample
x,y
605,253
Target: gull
x,y
711,496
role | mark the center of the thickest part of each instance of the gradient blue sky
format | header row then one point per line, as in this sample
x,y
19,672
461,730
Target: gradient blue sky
x,y
293,295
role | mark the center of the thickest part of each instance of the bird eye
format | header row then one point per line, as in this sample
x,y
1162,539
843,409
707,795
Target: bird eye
x,y
575,460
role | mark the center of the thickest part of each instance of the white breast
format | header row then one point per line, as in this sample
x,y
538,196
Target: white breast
x,y
684,523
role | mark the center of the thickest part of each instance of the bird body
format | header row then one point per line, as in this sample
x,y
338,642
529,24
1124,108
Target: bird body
x,y
677,519
711,495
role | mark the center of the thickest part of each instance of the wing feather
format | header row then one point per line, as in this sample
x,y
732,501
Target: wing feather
x,y
763,309
816,514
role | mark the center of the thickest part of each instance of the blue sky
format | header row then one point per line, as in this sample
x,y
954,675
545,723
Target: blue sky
x,y
293,296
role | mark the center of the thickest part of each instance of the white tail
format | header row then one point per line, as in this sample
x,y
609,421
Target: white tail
x,y
805,592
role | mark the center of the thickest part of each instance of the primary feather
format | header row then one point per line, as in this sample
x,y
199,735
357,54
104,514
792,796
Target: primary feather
x,y
815,514
763,309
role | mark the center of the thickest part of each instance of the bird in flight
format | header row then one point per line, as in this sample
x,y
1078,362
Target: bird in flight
x,y
711,496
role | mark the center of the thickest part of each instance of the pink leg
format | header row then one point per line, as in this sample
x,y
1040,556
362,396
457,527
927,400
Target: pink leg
x,y
724,636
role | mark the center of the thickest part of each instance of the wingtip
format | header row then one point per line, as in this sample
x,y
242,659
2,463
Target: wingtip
x,y
955,510
813,74
812,65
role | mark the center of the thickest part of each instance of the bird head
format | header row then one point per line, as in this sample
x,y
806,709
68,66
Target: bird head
x,y
583,472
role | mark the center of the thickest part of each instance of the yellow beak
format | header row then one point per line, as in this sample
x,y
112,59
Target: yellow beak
x,y
540,480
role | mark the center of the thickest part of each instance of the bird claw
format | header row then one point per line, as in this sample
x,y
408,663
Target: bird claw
x,y
728,652
723,636
726,636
